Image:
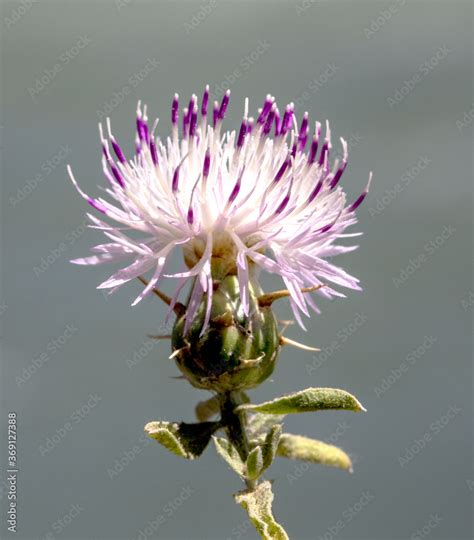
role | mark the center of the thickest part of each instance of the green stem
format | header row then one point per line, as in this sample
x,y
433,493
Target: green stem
x,y
235,425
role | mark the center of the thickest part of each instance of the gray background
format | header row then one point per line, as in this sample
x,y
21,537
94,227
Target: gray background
x,y
433,302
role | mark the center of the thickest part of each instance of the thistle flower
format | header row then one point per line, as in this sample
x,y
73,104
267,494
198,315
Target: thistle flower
x,y
263,197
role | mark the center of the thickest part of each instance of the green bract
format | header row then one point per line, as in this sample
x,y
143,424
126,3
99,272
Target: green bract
x,y
236,351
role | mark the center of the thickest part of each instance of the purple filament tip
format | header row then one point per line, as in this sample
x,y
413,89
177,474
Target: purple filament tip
x,y
313,150
338,175
303,135
242,133
185,121
360,198
193,121
324,151
277,123
287,120
265,109
175,110
154,155
268,124
105,151
207,163
175,181
315,191
281,170
118,151
190,216
117,175
294,149
140,129
224,103
97,205
236,189
205,99
215,113
249,125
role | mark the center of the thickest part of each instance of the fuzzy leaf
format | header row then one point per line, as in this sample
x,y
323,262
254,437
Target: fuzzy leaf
x,y
254,464
259,424
305,449
185,440
229,453
206,409
270,445
311,399
258,504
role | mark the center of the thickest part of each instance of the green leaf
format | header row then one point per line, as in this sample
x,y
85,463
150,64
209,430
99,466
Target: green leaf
x,y
185,440
305,449
206,409
229,453
264,449
311,399
258,504
254,464
258,424
270,445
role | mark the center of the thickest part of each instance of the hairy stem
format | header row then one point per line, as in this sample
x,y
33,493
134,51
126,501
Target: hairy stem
x,y
235,425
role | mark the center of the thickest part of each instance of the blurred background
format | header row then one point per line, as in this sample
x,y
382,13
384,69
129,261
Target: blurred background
x,y
395,80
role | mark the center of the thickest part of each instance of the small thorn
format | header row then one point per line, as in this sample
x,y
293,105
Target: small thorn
x,y
285,325
178,308
153,336
250,362
176,352
266,300
287,341
223,319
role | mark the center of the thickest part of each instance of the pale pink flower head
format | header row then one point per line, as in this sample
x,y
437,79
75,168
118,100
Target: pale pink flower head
x,y
266,196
